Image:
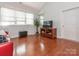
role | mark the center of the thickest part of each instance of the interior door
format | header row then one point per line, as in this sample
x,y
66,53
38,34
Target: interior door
x,y
69,24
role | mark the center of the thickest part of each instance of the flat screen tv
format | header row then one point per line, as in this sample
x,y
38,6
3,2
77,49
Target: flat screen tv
x,y
47,24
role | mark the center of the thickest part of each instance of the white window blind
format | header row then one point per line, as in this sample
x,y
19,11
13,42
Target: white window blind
x,y
12,17
20,23
7,18
7,23
20,14
29,18
7,12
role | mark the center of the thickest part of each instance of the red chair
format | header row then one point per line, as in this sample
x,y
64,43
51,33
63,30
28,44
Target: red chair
x,y
6,49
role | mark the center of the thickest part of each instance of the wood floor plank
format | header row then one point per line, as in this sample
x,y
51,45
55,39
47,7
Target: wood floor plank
x,y
41,46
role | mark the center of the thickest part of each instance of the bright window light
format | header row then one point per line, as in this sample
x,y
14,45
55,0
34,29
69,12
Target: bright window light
x,y
29,21
10,17
7,19
7,12
29,18
41,17
20,19
20,23
20,14
41,22
7,23
29,15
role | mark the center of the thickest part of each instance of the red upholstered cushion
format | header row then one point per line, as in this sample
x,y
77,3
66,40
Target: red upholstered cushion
x,y
6,49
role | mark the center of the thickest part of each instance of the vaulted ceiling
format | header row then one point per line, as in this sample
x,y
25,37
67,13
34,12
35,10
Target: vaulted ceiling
x,y
28,6
35,5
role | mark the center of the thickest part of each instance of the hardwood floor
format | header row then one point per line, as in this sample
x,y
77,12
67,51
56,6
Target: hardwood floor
x,y
40,46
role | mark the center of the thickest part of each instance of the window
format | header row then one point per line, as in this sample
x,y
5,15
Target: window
x,y
12,17
42,19
20,18
7,16
29,18
7,23
20,14
7,12
20,23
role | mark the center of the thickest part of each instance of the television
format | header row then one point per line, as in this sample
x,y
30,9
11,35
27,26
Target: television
x,y
47,24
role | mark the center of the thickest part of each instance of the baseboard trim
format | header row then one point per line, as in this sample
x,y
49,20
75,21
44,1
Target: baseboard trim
x,y
68,39
18,36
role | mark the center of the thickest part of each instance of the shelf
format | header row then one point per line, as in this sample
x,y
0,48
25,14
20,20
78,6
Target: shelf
x,y
48,32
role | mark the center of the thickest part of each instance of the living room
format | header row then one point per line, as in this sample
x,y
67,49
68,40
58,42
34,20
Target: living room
x,y
39,28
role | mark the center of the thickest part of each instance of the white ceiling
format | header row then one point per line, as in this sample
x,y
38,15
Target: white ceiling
x,y
27,6
35,5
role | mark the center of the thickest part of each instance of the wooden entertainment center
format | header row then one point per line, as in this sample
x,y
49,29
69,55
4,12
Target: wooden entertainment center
x,y
48,32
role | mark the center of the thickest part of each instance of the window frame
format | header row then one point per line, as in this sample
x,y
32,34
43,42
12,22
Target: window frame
x,y
15,17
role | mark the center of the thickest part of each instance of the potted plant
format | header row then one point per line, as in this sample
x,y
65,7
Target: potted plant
x,y
37,24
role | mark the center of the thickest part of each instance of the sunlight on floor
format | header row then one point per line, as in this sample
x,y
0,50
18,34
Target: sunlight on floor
x,y
21,49
42,46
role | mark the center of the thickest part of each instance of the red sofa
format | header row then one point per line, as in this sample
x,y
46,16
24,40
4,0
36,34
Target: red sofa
x,y
6,49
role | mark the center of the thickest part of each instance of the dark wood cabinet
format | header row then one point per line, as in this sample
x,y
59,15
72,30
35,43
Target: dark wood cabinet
x,y
49,32
22,34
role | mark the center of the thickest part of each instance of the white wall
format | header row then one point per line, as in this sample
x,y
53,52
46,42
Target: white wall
x,y
15,29
53,10
69,24
77,22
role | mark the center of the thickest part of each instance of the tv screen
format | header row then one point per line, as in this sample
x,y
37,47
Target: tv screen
x,y
47,23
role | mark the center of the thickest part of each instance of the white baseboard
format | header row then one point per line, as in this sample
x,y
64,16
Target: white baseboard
x,y
14,36
68,39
